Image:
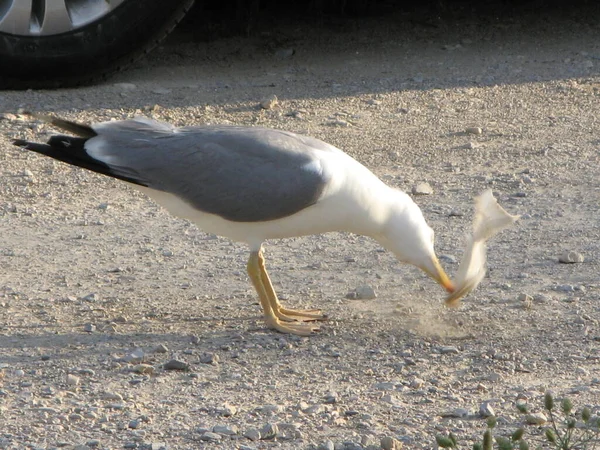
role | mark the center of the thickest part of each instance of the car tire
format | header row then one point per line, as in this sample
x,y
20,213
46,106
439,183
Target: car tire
x,y
90,53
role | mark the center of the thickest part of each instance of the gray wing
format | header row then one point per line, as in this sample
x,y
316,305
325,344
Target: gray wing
x,y
243,174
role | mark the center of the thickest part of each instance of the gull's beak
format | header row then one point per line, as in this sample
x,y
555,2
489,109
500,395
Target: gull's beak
x,y
439,275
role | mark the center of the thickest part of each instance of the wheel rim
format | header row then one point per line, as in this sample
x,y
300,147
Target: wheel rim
x,y
47,17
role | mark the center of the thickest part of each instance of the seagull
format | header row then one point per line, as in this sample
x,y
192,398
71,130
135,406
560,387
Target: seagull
x,y
251,184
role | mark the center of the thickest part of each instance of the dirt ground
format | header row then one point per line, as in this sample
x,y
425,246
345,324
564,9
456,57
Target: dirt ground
x,y
99,287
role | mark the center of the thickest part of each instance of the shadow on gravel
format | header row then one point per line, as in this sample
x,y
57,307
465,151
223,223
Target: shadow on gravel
x,y
462,45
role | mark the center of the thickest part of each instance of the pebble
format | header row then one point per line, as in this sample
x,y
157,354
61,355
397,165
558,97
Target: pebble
x,y
209,358
449,350
271,409
473,130
135,357
417,383
338,123
228,430
73,380
269,431
209,436
536,418
93,443
364,292
269,102
486,410
449,259
134,424
160,348
8,116
327,445
422,189
542,298
227,410
89,328
389,443
92,297
112,396
527,300
458,413
571,257
175,364
143,368
253,434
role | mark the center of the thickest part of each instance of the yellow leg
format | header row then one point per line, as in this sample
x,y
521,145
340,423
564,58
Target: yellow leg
x,y
271,319
285,314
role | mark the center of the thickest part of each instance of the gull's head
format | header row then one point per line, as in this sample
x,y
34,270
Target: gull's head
x,y
408,236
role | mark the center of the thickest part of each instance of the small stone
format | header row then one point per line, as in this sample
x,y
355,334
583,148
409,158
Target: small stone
x,y
90,297
313,410
272,409
160,348
473,130
450,259
269,102
385,386
527,300
93,443
571,257
564,288
417,383
542,298
209,436
175,364
338,123
269,431
89,327
364,292
227,430
8,116
486,410
422,189
143,368
73,380
135,357
458,413
134,424
327,445
112,396
449,350
253,434
209,358
389,398
536,418
389,443
158,446
103,206
227,410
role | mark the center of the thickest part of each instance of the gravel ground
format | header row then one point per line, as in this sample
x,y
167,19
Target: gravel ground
x,y
123,327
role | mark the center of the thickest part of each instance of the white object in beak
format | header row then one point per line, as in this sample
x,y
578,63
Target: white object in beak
x,y
490,218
